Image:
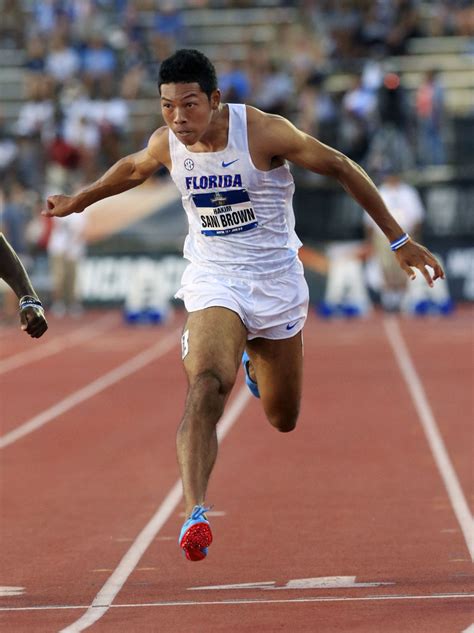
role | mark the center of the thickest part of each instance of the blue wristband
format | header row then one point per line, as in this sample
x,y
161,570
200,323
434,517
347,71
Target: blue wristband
x,y
30,304
28,301
400,242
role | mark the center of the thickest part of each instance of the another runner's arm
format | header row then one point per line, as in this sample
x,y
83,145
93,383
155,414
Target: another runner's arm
x,y
128,172
32,316
13,271
286,141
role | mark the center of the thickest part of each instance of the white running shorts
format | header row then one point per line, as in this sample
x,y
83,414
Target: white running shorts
x,y
273,308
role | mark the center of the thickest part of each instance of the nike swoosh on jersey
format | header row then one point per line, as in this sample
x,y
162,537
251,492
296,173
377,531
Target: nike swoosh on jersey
x,y
290,326
224,164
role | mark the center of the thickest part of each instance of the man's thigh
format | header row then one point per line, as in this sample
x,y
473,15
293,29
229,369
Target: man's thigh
x,y
278,366
213,341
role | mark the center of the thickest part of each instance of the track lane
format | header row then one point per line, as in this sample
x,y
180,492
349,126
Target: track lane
x,y
443,355
51,346
434,439
77,492
41,385
353,492
335,518
13,340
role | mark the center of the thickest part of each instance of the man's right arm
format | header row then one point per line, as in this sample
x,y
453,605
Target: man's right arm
x,y
128,172
32,317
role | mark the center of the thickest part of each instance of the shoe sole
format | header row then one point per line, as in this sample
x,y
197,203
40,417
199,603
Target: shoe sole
x,y
196,540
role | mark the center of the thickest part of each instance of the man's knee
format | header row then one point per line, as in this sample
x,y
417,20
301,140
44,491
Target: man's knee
x,y
208,389
206,397
212,382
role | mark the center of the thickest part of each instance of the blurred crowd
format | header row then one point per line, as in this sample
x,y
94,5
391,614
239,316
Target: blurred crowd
x,y
86,62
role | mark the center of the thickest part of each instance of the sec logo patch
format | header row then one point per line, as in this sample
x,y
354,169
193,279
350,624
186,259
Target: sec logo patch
x,y
189,164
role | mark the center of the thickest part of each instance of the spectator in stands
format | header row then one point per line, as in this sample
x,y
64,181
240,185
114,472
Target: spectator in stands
x,y
298,48
168,29
35,63
452,17
343,23
62,61
38,231
85,17
99,62
373,69
15,216
373,29
169,21
36,115
30,161
66,248
62,172
318,114
233,80
390,141
44,15
8,151
114,6
357,119
272,88
111,113
404,203
81,129
405,24
134,70
359,101
12,24
430,114
34,129
133,26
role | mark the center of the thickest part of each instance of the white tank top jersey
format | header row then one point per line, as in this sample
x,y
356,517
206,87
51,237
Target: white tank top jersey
x,y
241,219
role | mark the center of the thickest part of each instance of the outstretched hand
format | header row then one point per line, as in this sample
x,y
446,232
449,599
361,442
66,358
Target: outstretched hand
x,y
413,255
59,206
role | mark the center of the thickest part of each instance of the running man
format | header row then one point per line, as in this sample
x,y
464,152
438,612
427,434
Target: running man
x,y
32,318
244,288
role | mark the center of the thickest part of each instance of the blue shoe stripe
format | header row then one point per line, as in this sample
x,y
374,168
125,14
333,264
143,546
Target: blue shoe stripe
x,y
250,383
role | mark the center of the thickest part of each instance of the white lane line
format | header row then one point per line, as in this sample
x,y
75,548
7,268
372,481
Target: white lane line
x,y
433,435
257,601
323,582
115,375
5,592
56,345
103,600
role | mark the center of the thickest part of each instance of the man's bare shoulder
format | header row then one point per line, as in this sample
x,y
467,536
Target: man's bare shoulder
x,y
159,139
256,117
158,145
270,131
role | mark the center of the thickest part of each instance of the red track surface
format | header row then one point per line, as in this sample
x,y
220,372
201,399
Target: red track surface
x,y
353,492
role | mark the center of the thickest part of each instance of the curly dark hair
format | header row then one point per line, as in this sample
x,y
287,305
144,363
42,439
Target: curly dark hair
x,y
188,65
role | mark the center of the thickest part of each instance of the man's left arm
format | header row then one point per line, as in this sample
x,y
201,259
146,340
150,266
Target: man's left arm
x,y
32,317
307,152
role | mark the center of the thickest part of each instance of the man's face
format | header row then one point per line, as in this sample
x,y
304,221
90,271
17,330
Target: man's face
x,y
187,110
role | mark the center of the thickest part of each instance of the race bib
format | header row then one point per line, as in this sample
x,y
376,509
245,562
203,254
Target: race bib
x,y
224,212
